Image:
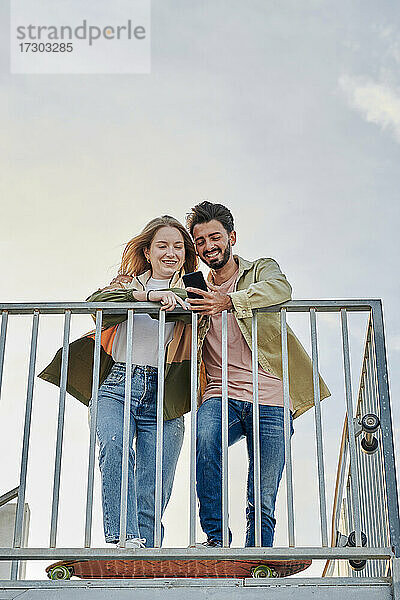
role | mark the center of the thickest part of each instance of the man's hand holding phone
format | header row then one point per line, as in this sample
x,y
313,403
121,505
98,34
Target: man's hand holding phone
x,y
205,298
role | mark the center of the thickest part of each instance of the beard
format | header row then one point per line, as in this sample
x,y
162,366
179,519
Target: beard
x,y
218,263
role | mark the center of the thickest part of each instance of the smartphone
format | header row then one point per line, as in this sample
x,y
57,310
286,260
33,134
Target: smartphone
x,y
195,280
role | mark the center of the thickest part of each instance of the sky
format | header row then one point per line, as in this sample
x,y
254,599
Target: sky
x,y
286,112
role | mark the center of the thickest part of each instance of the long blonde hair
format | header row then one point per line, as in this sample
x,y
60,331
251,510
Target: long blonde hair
x,y
133,260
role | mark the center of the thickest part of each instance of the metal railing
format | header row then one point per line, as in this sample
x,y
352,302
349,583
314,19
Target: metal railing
x,y
8,496
371,506
383,540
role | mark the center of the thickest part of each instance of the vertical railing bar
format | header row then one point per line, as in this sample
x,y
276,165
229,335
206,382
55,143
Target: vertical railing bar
x,y
339,500
19,516
380,460
372,539
378,455
60,430
385,515
318,429
224,425
372,496
375,469
362,482
384,512
368,522
93,425
3,333
350,427
341,484
384,502
369,469
288,451
256,434
386,426
350,513
364,495
371,506
362,485
193,427
349,503
123,515
160,431
346,528
374,462
372,509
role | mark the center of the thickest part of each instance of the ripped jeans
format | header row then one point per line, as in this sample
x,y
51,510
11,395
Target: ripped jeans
x,y
143,427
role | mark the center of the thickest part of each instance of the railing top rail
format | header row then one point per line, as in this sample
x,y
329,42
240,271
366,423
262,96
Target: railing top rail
x,y
151,307
7,497
283,553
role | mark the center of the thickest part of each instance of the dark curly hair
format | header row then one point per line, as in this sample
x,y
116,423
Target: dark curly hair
x,y
206,212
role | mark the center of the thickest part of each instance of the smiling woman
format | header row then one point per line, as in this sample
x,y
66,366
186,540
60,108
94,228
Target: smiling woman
x,y
166,253
152,266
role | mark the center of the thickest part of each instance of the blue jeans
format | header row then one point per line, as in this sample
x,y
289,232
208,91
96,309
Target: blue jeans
x,y
143,427
209,464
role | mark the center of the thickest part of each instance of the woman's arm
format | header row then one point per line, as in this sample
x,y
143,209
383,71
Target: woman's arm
x,y
117,294
114,293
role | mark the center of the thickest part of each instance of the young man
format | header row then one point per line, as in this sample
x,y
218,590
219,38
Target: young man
x,y
238,286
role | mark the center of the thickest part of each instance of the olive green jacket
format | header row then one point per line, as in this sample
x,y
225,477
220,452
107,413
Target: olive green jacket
x,y
261,283
81,351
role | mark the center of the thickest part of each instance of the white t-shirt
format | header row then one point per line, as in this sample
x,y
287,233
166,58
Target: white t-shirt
x,y
145,334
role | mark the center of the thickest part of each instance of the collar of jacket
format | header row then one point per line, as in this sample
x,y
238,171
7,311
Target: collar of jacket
x,y
144,278
244,265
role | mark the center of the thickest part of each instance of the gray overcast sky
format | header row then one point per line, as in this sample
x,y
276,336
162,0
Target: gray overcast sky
x,y
288,112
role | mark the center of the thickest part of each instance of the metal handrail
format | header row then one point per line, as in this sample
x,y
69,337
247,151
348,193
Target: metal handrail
x,y
309,306
24,308
373,520
8,496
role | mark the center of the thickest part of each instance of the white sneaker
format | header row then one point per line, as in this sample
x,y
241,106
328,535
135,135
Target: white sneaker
x,y
133,543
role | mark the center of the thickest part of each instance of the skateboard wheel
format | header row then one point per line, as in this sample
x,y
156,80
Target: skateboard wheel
x,y
60,572
262,571
370,423
357,565
351,540
369,447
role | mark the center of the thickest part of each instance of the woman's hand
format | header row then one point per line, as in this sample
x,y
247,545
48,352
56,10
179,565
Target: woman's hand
x,y
168,299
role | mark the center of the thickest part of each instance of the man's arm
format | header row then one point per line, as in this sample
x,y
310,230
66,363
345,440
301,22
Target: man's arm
x,y
271,287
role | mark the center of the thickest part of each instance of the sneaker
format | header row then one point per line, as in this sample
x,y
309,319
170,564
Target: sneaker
x,y
212,544
133,543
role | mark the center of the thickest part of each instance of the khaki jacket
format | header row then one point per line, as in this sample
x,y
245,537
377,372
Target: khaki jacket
x,y
261,283
80,363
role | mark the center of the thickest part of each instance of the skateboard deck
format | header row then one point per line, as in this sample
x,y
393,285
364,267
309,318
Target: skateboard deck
x,y
151,569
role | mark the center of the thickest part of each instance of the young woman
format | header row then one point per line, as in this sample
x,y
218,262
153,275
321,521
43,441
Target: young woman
x,y
151,269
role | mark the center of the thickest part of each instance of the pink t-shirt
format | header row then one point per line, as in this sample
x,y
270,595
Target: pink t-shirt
x,y
240,376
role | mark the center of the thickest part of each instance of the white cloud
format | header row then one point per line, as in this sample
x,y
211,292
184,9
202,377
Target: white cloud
x,y
378,103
